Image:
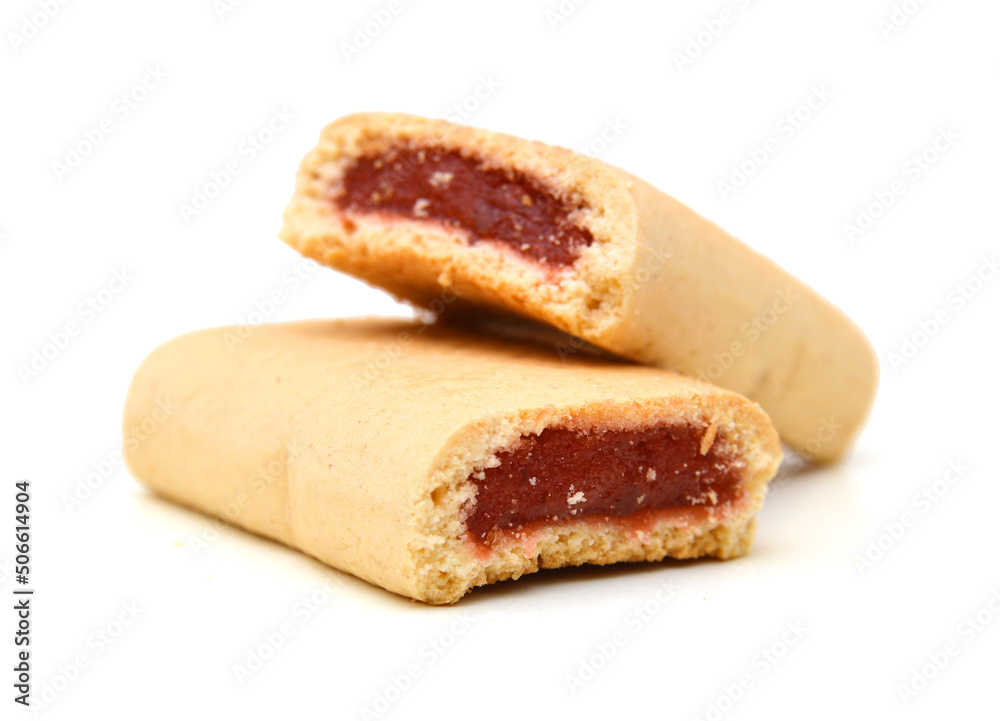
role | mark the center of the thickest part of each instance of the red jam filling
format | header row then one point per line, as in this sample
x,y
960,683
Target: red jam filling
x,y
503,206
560,475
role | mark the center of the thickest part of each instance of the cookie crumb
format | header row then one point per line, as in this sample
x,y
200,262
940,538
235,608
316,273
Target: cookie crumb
x,y
709,438
441,179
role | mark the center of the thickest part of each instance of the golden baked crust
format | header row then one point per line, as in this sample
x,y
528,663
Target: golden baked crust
x,y
354,441
659,284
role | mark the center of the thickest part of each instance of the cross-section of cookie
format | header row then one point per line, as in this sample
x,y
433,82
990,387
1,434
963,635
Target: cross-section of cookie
x,y
463,194
430,460
459,219
623,477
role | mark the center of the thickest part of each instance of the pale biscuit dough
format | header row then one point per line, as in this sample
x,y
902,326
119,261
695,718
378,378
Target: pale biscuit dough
x,y
354,441
660,284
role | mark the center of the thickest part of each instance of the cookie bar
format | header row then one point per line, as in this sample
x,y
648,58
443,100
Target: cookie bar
x,y
457,219
429,460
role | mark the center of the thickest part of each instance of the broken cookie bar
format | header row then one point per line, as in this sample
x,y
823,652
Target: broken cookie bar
x,y
458,219
430,460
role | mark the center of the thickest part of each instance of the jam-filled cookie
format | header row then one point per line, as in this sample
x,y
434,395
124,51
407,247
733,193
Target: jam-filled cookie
x,y
457,219
430,460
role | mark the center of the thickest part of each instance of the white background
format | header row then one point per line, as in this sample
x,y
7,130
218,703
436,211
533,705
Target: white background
x,y
512,649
